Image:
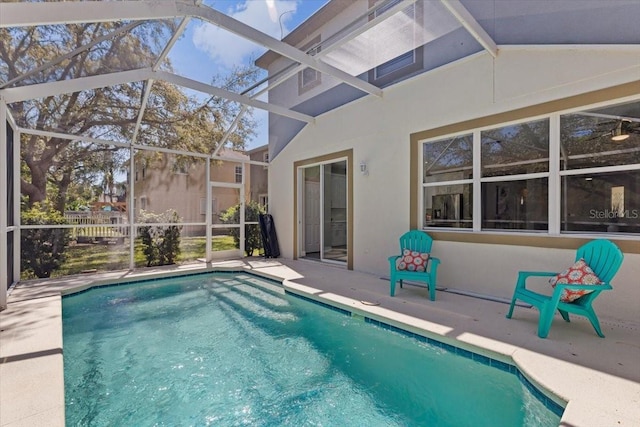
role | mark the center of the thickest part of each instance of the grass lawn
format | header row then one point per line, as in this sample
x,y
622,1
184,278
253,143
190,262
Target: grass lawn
x,y
100,257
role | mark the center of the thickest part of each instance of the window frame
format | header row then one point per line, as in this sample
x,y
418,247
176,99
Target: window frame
x,y
554,176
312,48
402,72
179,169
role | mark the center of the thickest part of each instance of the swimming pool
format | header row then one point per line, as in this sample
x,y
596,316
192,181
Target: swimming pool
x,y
235,349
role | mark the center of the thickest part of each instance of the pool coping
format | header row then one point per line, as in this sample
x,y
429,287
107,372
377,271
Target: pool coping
x,y
577,411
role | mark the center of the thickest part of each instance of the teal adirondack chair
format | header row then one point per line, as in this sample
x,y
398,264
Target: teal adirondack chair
x,y
604,258
415,240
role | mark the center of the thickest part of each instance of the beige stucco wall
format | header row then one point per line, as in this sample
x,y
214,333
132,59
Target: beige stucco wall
x,y
378,130
164,189
259,174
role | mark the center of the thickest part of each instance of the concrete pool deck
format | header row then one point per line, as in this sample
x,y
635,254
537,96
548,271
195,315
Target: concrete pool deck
x,y
599,378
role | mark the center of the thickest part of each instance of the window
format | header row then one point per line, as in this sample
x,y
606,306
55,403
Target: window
x,y
180,167
265,158
395,64
516,172
597,196
447,179
516,157
238,173
309,78
403,65
601,202
140,170
143,203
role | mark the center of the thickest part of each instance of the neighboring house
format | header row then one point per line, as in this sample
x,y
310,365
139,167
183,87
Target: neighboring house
x,y
260,175
498,142
188,183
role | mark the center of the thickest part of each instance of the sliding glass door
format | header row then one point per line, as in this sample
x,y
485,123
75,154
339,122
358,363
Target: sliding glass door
x,y
324,212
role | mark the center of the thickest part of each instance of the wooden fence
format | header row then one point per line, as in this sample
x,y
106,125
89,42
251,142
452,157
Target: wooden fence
x,y
98,227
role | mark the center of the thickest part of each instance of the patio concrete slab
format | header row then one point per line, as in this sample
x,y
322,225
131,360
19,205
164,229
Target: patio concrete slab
x,y
31,362
599,378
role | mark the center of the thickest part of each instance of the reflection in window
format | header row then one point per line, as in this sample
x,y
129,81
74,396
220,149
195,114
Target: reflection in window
x,y
448,159
601,202
515,205
596,180
449,163
597,138
448,206
516,149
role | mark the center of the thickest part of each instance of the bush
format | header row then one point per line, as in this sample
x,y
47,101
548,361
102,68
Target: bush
x,y
252,238
161,243
43,249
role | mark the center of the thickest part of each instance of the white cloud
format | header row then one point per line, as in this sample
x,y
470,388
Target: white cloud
x,y
227,49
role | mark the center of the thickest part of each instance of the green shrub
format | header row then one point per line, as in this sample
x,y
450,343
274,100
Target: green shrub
x,y
43,249
252,238
161,243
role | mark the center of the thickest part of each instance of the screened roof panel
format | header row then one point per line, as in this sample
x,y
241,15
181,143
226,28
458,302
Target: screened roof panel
x,y
50,53
401,32
202,54
108,114
174,121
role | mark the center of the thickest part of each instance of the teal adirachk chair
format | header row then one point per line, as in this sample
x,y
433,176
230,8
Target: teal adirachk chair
x,y
415,241
604,258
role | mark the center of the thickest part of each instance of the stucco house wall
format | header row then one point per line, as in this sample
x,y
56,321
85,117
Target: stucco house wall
x,y
378,131
259,173
185,191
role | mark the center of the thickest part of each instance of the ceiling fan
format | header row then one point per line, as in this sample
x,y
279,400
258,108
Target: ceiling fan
x,y
622,129
619,129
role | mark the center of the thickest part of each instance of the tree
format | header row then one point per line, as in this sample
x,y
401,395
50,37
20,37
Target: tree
x,y
53,166
252,238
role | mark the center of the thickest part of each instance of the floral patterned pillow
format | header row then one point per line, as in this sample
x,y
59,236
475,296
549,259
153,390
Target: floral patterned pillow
x,y
412,261
578,274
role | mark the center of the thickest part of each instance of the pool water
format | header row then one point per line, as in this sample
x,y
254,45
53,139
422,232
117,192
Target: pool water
x,y
233,349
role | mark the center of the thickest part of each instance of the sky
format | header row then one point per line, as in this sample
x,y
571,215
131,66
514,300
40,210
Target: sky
x,y
206,50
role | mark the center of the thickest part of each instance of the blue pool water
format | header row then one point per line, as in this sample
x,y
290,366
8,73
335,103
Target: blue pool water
x,y
233,350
